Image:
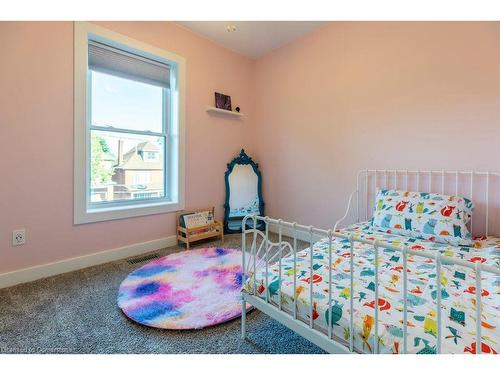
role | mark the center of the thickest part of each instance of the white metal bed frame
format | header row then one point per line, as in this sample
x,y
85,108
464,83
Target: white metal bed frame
x,y
262,256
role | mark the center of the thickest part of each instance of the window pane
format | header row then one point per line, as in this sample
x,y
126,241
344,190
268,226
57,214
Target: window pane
x,y
125,104
126,167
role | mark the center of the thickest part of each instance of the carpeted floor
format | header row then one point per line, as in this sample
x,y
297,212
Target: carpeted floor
x,y
77,313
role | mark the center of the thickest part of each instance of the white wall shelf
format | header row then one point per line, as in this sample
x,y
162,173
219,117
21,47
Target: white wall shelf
x,y
224,112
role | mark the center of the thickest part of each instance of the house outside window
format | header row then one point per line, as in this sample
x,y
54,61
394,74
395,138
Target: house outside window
x,y
128,127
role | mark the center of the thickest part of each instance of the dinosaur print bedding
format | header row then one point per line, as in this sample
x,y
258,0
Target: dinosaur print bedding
x,y
458,330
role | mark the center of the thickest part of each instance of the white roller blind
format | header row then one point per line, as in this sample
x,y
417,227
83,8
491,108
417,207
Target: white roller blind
x,y
114,61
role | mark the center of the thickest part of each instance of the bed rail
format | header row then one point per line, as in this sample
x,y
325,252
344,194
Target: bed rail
x,y
268,252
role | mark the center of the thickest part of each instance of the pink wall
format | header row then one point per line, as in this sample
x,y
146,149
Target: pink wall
x,y
36,133
362,95
346,97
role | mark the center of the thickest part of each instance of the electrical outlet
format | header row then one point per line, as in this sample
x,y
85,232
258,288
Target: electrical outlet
x,y
18,237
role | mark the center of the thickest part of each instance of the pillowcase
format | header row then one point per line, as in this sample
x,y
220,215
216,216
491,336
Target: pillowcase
x,y
435,217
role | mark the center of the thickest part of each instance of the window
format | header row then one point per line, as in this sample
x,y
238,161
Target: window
x,y
151,156
128,127
142,178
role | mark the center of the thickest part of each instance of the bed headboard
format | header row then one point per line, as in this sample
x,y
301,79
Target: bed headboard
x,y
481,187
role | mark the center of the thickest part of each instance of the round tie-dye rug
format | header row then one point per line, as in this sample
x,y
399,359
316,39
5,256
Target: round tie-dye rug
x,y
188,290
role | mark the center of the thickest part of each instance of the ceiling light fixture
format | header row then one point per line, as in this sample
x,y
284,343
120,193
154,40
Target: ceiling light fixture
x,y
231,28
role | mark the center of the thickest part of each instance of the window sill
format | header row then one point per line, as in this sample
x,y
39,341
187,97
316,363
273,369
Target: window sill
x,y
93,215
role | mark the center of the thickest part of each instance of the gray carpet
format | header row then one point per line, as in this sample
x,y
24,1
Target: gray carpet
x,y
77,313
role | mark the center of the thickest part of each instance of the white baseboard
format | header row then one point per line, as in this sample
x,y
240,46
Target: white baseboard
x,y
301,235
50,269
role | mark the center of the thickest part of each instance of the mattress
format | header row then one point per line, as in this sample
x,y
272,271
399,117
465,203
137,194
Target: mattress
x,y
458,329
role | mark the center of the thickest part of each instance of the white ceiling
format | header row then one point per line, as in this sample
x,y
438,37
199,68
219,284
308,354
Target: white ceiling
x,y
252,38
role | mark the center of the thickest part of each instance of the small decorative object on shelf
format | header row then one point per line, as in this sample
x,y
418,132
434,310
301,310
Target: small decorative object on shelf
x,y
199,224
237,109
223,101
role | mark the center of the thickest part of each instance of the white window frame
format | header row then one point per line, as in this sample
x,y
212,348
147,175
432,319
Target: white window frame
x,y
84,212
